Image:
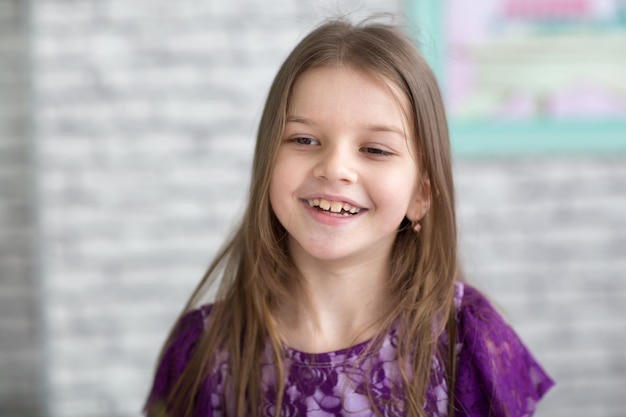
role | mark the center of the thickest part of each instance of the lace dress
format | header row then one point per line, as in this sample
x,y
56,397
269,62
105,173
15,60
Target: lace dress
x,y
496,375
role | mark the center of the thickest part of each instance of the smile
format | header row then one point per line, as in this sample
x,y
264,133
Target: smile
x,y
336,208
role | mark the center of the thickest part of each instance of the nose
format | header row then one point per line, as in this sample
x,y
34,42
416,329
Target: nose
x,y
336,164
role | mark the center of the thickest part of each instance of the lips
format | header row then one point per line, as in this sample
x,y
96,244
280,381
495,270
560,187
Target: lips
x,y
333,207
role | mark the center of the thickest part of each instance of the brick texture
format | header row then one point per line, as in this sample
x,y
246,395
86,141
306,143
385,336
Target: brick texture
x,y
144,116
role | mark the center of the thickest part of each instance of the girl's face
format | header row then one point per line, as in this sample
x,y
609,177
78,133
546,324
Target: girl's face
x,y
346,172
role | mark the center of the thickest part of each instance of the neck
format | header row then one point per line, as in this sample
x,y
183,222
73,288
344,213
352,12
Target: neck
x,y
339,305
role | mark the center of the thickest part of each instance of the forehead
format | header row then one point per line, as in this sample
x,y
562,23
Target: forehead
x,y
345,93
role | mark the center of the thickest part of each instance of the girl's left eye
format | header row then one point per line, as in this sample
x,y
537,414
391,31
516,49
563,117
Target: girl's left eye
x,y
303,140
375,151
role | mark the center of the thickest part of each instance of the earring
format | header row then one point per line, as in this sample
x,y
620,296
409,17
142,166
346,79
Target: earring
x,y
416,226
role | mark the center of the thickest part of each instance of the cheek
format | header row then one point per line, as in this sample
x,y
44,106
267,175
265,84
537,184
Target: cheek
x,y
280,188
396,192
287,174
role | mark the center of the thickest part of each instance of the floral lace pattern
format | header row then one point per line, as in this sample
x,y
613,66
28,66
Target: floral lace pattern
x,y
496,374
337,383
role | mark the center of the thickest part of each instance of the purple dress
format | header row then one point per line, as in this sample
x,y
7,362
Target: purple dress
x,y
496,376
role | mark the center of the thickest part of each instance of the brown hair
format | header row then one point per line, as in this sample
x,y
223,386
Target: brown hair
x,y
255,268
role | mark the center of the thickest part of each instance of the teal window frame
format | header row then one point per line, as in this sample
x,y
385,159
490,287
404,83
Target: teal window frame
x,y
537,137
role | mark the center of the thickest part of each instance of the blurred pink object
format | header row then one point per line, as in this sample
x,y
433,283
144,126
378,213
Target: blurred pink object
x,y
546,9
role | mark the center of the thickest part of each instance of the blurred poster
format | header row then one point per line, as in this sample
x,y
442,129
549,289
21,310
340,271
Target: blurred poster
x,y
525,60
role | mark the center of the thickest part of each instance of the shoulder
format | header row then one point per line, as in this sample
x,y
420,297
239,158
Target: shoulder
x,y
177,351
496,375
184,337
190,325
474,309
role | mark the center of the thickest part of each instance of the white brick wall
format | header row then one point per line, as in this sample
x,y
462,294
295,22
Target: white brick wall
x,y
144,117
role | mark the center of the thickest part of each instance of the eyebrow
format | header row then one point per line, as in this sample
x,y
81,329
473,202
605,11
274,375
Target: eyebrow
x,y
297,119
368,127
385,128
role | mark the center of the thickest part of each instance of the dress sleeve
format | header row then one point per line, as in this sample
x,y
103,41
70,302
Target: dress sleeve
x,y
497,375
174,358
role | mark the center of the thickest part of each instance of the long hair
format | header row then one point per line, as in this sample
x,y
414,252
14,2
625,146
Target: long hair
x,y
254,267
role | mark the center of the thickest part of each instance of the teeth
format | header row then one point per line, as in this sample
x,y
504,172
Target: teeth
x,y
333,206
336,206
349,208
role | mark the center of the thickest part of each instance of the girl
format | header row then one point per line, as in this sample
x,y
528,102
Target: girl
x,y
340,293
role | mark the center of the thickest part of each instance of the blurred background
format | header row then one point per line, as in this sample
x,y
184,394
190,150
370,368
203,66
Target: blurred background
x,y
126,135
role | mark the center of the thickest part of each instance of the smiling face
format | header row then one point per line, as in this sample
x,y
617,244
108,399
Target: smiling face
x,y
345,174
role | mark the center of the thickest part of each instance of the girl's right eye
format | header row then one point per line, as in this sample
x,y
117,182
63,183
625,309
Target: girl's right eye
x,y
303,140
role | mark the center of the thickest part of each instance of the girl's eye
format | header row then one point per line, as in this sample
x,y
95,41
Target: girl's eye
x,y
305,141
375,151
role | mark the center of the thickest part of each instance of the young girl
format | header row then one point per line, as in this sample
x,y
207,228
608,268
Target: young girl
x,y
340,293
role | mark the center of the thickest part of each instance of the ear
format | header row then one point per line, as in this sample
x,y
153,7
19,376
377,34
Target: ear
x,y
420,203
